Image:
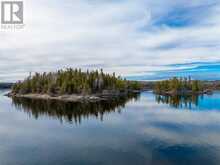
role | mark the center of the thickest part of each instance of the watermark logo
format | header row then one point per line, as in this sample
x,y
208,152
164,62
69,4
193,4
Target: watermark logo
x,y
12,14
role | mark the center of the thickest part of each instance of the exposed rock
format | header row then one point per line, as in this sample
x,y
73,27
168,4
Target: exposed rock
x,y
106,95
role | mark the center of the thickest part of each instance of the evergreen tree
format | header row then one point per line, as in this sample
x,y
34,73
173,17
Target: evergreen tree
x,y
178,85
71,81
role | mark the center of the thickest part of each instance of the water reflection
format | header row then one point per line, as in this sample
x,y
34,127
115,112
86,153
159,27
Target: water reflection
x,y
179,101
145,133
71,112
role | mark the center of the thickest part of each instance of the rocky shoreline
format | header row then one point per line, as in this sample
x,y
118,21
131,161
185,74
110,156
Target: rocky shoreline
x,y
74,97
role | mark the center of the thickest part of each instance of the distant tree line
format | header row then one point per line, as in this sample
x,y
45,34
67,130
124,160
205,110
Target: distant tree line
x,y
178,85
5,85
73,81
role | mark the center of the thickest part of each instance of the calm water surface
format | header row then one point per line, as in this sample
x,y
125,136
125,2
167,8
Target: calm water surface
x,y
144,130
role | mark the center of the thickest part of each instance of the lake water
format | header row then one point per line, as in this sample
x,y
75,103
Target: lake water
x,y
132,131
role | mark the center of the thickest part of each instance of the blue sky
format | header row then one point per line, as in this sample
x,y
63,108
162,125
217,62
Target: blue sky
x,y
141,39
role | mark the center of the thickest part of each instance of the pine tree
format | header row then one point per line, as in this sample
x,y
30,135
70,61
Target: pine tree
x,y
71,81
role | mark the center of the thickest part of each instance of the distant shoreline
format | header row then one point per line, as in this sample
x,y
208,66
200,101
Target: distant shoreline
x,y
6,85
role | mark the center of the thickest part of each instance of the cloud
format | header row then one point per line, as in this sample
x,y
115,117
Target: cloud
x,y
126,37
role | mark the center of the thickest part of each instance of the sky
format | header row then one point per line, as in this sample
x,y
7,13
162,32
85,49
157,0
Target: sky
x,y
138,39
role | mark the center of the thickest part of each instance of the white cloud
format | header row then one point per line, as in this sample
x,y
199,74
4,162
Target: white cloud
x,y
119,36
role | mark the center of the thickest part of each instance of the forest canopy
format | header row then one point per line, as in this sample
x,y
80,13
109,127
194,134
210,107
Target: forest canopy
x,y
73,81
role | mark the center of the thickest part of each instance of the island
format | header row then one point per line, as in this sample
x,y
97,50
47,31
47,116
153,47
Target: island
x,y
74,85
182,86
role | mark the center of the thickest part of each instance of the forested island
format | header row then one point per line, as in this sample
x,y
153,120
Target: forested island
x,y
74,85
180,86
77,85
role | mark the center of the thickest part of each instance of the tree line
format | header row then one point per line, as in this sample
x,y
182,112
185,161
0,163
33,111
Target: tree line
x,y
178,85
70,81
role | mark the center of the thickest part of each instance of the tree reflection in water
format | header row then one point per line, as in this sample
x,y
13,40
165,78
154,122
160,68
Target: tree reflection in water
x,y
178,101
69,111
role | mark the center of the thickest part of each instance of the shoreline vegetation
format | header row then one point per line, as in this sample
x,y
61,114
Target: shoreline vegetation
x,y
181,86
74,85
